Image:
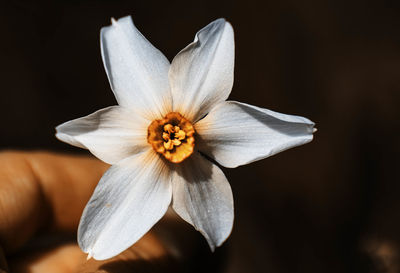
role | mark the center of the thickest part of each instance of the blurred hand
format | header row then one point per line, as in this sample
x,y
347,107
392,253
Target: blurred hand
x,y
42,196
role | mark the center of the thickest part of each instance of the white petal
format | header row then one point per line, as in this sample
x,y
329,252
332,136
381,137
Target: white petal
x,y
202,196
137,71
201,75
129,199
111,134
235,133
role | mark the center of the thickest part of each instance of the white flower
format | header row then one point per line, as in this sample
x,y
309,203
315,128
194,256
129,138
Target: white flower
x,y
167,116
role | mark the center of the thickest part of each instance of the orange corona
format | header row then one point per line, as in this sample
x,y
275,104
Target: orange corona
x,y
172,136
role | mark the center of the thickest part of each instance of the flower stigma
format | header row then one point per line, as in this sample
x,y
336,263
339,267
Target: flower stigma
x,y
172,136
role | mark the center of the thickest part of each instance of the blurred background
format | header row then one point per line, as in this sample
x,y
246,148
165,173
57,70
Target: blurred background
x,y
329,206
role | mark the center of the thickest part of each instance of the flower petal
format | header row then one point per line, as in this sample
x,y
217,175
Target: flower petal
x,y
137,71
111,134
129,199
235,133
202,196
201,75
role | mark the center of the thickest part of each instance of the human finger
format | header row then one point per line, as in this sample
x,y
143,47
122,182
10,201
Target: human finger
x,y
40,189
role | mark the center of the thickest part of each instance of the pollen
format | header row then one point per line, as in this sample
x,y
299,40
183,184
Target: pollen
x,y
172,137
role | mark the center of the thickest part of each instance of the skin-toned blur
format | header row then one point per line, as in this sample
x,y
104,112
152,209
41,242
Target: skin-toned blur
x,y
42,196
329,206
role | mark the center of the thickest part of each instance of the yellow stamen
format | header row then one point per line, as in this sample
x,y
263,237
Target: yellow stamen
x,y
176,142
169,145
169,128
173,137
165,136
180,135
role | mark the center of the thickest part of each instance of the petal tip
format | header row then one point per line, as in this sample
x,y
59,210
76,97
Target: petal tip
x,y
117,22
221,23
61,136
224,23
58,135
58,128
212,248
222,20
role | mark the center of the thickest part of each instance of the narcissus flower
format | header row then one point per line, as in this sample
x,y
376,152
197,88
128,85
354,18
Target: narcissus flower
x,y
168,118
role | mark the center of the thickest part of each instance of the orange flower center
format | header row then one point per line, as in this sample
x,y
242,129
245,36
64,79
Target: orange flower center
x,y
172,136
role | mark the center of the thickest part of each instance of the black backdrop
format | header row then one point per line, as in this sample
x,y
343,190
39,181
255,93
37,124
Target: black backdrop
x,y
329,206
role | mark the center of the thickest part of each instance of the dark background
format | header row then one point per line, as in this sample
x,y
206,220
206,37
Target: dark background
x,y
329,206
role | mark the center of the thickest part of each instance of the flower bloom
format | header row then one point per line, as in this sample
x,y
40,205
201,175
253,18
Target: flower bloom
x,y
168,116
